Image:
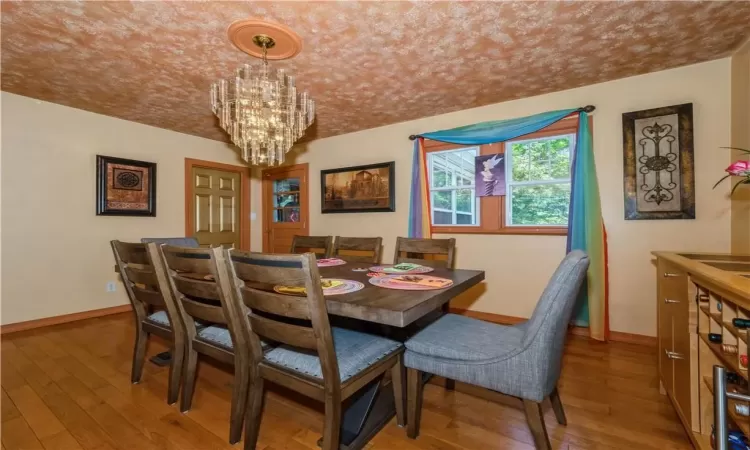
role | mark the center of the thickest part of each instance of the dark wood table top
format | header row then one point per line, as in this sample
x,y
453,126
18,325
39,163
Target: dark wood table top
x,y
390,306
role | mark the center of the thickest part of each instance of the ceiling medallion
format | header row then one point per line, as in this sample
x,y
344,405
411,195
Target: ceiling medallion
x,y
260,107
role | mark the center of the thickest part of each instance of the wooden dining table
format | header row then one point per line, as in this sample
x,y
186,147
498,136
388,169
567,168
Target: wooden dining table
x,y
373,406
398,314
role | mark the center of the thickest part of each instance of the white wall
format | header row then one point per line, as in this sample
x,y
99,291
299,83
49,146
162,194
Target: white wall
x,y
56,253
518,267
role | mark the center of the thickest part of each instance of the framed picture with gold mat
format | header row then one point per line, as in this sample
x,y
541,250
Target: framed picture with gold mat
x,y
125,187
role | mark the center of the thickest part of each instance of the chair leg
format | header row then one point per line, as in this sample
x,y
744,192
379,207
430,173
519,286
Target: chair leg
x,y
535,419
332,422
414,397
557,406
139,354
188,381
175,373
253,412
450,385
239,400
397,379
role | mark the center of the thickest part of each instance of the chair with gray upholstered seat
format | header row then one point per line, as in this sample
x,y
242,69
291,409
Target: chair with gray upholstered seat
x,y
200,284
145,281
324,363
522,361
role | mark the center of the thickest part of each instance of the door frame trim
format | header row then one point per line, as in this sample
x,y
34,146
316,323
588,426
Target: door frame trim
x,y
245,198
305,212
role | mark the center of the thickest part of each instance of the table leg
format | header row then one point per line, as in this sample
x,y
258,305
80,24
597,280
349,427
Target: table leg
x,y
367,413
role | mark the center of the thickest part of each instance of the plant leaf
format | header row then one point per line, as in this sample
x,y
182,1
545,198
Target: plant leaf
x,y
737,148
718,182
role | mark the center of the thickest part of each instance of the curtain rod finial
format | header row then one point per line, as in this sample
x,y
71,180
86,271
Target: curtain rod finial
x,y
589,108
412,137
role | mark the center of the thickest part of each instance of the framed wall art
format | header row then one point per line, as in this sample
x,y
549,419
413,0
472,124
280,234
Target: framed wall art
x,y
368,188
658,160
125,187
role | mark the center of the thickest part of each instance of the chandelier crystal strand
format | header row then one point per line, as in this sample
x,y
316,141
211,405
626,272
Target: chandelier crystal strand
x,y
262,112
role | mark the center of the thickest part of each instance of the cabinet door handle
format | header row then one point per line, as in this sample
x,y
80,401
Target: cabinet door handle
x,y
671,275
669,300
674,355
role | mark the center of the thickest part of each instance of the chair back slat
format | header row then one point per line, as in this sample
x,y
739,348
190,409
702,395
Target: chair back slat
x,y
295,335
142,275
153,298
438,253
268,272
183,259
276,317
322,246
273,303
204,312
197,288
358,249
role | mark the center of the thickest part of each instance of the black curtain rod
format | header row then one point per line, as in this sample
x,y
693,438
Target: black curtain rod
x,y
586,109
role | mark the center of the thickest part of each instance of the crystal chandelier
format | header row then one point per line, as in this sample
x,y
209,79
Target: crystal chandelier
x,y
261,109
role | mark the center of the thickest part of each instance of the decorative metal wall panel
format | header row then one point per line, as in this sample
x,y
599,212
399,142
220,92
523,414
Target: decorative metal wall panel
x,y
659,175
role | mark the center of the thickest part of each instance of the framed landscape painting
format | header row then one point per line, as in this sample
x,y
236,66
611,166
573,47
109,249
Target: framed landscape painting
x,y
125,187
368,188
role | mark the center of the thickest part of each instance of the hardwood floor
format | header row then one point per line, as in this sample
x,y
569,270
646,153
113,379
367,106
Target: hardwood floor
x,y
68,387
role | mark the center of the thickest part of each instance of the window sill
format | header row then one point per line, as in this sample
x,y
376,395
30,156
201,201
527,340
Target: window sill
x,y
520,231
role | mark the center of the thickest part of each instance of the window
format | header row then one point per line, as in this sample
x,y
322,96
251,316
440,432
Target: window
x,y
451,175
537,176
537,173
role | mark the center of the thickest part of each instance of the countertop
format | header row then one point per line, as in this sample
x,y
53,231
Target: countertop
x,y
728,271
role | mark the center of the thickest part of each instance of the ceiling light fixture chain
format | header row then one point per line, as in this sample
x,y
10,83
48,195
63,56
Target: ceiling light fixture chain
x,y
261,109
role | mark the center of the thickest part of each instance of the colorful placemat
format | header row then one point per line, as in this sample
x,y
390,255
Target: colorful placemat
x,y
402,268
331,286
411,282
330,262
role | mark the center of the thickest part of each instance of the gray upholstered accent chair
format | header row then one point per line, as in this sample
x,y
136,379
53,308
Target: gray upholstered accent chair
x,y
522,360
176,241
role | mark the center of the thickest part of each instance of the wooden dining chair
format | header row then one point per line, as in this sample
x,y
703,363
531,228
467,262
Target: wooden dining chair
x,y
201,286
145,280
357,249
324,363
436,253
320,245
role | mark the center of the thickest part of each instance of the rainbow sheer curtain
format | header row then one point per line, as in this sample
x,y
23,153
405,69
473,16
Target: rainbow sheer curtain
x,y
585,227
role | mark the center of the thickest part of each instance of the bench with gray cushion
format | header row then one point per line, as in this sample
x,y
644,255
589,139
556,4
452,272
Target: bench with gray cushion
x,y
522,361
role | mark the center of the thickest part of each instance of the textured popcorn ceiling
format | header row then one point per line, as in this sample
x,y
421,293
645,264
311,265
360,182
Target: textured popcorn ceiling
x,y
367,64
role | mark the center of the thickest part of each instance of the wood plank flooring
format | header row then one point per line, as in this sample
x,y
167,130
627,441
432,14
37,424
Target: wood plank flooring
x,y
68,387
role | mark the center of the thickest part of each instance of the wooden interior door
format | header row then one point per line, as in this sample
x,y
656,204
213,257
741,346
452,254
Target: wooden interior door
x,y
216,197
285,207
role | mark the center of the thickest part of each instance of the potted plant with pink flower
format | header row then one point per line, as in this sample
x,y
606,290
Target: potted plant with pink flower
x,y
737,169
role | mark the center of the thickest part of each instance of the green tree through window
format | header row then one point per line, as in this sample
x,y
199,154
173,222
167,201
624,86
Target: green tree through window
x,y
539,182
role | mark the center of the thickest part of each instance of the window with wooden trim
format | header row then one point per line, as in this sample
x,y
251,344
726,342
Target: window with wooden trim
x,y
537,176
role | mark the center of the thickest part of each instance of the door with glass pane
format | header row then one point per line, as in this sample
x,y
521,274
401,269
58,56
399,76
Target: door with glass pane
x,y
285,207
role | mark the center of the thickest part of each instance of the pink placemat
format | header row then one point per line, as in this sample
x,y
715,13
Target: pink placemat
x,y
411,282
388,269
346,287
330,262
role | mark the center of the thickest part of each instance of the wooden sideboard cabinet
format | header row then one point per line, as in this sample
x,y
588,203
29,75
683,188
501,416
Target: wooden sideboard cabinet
x,y
674,337
697,295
